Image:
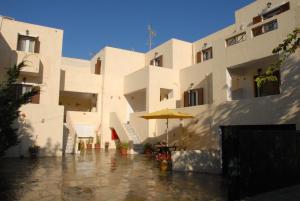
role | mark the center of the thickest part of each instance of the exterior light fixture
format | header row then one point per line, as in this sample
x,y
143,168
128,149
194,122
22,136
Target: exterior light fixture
x,y
269,4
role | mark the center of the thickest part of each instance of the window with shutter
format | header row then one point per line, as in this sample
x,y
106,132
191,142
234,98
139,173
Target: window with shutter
x,y
207,54
37,46
186,99
198,57
158,61
98,67
200,96
269,26
257,31
257,19
277,11
28,44
35,99
193,97
21,89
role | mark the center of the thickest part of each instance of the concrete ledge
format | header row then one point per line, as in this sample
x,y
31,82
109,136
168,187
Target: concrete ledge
x,y
206,161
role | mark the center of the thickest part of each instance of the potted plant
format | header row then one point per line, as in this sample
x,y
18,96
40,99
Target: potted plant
x,y
89,144
123,148
164,159
33,151
148,149
97,144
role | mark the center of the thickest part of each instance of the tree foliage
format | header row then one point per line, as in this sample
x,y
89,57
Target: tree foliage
x,y
10,103
285,49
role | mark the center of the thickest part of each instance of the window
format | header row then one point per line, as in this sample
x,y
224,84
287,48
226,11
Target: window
x,y
98,67
158,61
28,44
271,13
21,89
236,39
269,87
193,97
270,26
256,19
277,11
207,54
165,94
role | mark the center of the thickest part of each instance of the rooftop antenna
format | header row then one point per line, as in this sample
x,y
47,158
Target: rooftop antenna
x,y
152,34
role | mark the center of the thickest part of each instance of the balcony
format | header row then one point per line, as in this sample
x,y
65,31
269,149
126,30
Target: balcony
x,y
260,40
241,80
32,62
136,81
74,81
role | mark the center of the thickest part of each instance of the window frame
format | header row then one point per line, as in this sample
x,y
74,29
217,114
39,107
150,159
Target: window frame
x,y
276,11
157,61
209,49
30,45
22,88
193,97
259,30
236,40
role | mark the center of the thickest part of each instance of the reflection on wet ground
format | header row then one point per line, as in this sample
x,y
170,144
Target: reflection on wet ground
x,y
103,176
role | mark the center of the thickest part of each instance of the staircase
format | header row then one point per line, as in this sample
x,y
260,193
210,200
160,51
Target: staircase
x,y
137,146
69,140
132,134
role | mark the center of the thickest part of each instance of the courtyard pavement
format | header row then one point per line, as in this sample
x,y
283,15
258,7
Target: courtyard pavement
x,y
103,176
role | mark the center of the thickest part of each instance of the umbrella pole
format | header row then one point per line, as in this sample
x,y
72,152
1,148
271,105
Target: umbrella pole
x,y
167,132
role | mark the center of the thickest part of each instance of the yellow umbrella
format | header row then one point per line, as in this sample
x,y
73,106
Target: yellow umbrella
x,y
167,114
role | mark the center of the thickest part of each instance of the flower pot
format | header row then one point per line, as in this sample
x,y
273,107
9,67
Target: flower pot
x,y
97,146
89,146
123,151
34,151
164,165
106,146
148,152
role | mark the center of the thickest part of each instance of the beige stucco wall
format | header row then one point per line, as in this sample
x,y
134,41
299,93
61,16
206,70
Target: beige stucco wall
x,y
80,82
202,132
226,57
43,126
115,64
44,120
128,79
78,65
50,54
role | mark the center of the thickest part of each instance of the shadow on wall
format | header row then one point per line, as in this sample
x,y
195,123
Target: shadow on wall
x,y
207,85
50,149
189,134
202,132
5,52
65,138
27,138
197,160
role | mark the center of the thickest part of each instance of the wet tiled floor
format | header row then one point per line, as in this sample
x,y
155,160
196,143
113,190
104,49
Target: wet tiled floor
x,y
102,176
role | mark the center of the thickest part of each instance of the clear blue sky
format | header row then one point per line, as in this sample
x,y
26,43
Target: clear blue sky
x,y
89,25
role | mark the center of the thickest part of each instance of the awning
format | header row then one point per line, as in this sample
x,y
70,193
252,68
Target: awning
x,y
84,130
